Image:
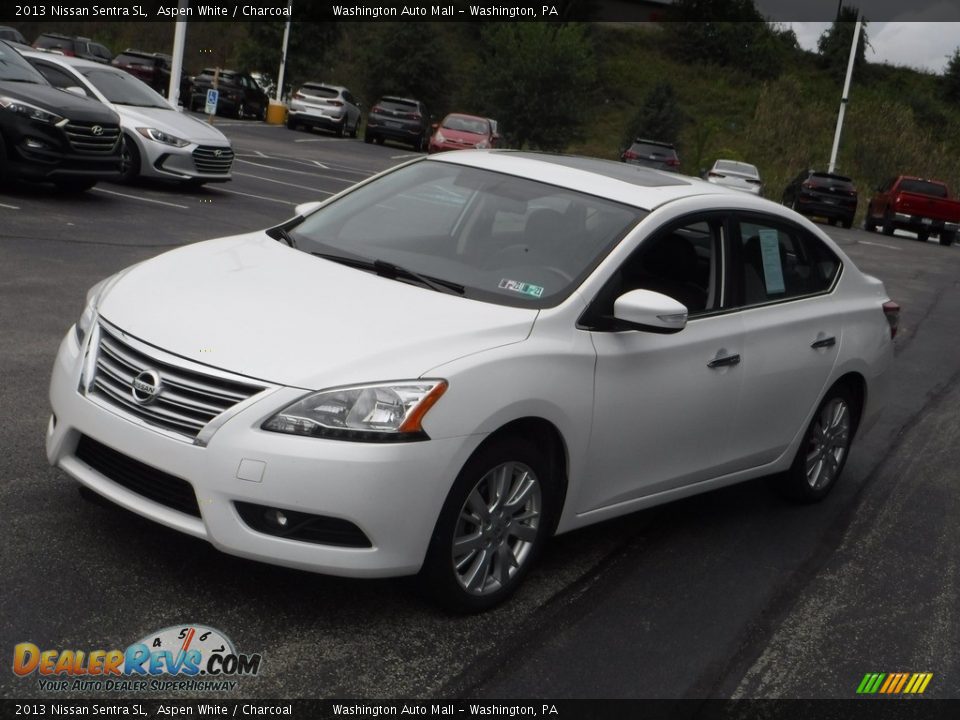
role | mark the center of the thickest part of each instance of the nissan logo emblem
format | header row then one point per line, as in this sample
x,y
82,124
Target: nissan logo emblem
x,y
97,130
146,386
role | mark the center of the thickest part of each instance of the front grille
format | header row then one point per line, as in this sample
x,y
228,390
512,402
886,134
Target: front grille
x,y
84,137
213,160
137,477
187,399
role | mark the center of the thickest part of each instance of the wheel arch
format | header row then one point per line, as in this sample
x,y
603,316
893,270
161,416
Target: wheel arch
x,y
543,434
856,384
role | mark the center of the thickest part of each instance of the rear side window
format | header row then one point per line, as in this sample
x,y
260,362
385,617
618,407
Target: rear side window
x,y
399,105
655,151
831,180
779,262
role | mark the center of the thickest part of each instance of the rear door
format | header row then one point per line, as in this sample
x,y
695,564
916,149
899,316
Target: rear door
x,y
782,277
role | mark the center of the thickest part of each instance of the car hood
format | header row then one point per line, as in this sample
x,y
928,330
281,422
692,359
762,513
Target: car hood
x,y
171,121
63,103
249,305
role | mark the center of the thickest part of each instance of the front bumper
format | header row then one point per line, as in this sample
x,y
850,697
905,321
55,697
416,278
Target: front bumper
x,y
392,492
191,162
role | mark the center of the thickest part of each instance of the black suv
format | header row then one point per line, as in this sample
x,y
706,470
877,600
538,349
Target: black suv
x,y
822,194
400,119
154,69
80,47
652,153
49,135
240,95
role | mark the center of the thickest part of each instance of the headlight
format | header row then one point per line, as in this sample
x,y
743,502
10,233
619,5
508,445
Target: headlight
x,y
381,412
90,309
30,111
439,137
162,137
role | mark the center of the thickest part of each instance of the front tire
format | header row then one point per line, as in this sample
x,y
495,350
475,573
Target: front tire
x,y
824,449
493,526
868,224
947,238
888,226
129,161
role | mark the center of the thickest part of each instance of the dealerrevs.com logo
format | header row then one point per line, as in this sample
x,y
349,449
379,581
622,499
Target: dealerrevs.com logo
x,y
181,657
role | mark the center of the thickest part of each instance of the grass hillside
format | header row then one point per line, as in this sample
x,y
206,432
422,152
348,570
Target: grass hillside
x,y
896,120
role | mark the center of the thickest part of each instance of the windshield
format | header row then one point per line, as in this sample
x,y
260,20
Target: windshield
x,y
736,167
123,88
14,68
466,124
505,239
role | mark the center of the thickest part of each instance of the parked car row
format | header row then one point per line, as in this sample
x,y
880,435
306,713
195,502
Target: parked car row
x,y
74,122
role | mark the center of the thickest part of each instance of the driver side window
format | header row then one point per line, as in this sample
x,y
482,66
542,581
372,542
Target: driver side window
x,y
680,261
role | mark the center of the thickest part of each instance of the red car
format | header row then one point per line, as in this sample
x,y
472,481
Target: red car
x,y
459,132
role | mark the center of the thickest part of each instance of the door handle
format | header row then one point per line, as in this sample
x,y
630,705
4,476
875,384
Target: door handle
x,y
824,343
725,361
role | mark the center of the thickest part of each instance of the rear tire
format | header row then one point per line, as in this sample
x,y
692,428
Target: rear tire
x,y
847,222
888,227
923,236
947,238
367,137
241,111
869,225
824,449
356,128
291,123
494,524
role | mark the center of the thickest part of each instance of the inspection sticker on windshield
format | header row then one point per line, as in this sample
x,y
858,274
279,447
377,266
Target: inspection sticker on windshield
x,y
521,287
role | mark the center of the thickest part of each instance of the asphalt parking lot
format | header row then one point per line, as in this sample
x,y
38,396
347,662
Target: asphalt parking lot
x,y
730,594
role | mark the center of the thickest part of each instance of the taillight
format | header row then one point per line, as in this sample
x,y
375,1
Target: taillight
x,y
715,174
753,182
298,96
891,311
414,116
629,155
807,184
673,162
376,109
335,103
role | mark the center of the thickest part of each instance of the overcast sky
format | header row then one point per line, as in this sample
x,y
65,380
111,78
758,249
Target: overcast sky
x,y
921,45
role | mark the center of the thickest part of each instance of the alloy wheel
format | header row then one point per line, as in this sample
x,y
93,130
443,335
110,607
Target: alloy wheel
x,y
828,443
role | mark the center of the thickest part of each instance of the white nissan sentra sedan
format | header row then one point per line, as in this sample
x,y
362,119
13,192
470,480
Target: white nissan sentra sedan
x,y
159,141
441,367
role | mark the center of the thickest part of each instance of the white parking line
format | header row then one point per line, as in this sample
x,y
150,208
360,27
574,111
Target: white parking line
x,y
330,139
136,197
9,207
260,197
298,172
883,245
403,157
329,165
281,182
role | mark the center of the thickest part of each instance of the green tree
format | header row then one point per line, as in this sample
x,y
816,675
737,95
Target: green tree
x,y
658,118
951,78
262,48
537,80
834,44
408,59
730,33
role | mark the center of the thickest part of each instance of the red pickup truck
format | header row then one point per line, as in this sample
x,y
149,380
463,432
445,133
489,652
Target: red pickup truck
x,y
914,204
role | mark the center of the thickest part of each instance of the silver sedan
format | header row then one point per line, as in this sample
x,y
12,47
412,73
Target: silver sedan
x,y
159,140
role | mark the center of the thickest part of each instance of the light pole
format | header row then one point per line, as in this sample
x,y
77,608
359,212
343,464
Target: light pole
x,y
846,95
176,64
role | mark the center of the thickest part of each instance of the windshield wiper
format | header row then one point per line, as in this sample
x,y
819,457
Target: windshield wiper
x,y
392,271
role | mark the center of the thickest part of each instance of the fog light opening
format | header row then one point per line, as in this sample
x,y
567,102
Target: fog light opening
x,y
276,518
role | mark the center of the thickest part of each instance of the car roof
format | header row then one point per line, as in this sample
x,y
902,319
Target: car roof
x,y
634,185
317,83
655,142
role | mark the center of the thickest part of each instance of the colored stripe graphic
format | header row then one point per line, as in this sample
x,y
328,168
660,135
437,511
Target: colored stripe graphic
x,y
894,683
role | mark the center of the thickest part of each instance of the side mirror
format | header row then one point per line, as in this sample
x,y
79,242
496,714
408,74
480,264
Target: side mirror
x,y
307,207
76,90
650,311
